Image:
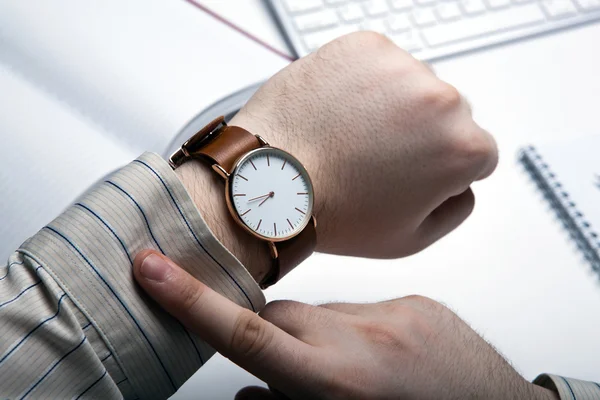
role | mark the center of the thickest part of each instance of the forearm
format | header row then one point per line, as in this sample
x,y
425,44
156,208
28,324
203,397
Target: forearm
x,y
85,258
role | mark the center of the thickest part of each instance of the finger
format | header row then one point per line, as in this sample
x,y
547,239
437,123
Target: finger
x,y
474,151
447,217
300,320
251,342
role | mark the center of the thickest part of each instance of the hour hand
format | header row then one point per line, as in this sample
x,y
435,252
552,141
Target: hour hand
x,y
266,198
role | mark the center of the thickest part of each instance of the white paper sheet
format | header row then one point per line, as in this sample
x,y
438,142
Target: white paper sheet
x,y
93,84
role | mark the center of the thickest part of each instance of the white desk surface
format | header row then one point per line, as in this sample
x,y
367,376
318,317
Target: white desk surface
x,y
509,270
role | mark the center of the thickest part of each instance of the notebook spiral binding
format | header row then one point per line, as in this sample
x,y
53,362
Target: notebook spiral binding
x,y
580,230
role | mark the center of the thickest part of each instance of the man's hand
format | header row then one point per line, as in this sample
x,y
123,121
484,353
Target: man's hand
x,y
392,150
409,348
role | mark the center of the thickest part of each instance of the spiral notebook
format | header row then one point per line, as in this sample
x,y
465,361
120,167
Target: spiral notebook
x,y
569,177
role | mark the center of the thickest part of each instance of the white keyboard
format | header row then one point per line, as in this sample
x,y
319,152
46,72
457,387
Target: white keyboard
x,y
429,29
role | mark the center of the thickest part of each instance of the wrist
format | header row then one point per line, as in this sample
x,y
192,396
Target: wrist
x,y
208,193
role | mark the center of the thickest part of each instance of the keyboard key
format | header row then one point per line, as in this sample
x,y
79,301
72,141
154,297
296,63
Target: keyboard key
x,y
522,1
409,41
375,25
314,40
425,2
557,9
398,22
448,11
423,16
401,5
335,2
588,5
351,13
500,20
316,21
300,6
498,3
375,8
472,7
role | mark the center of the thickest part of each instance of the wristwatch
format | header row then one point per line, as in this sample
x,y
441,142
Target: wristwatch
x,y
268,191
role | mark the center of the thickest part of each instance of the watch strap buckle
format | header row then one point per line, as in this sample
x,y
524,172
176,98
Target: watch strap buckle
x,y
203,137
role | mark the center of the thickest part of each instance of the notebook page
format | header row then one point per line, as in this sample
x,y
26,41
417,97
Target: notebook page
x,y
48,156
93,84
138,68
576,166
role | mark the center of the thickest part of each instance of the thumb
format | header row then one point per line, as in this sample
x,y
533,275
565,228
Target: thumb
x,y
239,334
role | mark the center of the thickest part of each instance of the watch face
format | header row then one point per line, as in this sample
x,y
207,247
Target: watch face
x,y
271,193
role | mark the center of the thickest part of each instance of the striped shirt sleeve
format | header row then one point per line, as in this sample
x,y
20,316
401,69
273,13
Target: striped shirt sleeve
x,y
569,388
73,322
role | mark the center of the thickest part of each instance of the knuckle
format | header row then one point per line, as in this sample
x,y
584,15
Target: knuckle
x,y
251,335
421,300
478,148
416,319
442,96
355,43
395,306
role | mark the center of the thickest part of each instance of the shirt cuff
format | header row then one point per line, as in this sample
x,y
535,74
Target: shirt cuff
x,y
89,251
569,388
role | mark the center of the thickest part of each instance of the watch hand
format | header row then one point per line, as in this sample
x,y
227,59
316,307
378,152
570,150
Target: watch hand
x,y
270,195
260,197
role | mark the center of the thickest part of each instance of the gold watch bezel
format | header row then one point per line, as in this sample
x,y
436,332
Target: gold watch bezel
x,y
229,195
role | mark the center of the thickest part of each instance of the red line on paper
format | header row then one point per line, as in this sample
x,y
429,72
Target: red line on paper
x,y
240,30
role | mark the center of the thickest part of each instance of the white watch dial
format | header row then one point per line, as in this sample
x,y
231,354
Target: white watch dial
x,y
271,193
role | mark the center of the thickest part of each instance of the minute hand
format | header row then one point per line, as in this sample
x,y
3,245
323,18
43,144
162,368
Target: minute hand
x,y
259,197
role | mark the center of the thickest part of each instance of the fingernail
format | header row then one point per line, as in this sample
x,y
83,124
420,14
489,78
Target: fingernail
x,y
155,268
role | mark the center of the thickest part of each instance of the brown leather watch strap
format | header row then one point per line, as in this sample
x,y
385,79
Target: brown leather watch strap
x,y
231,144
219,143
290,253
